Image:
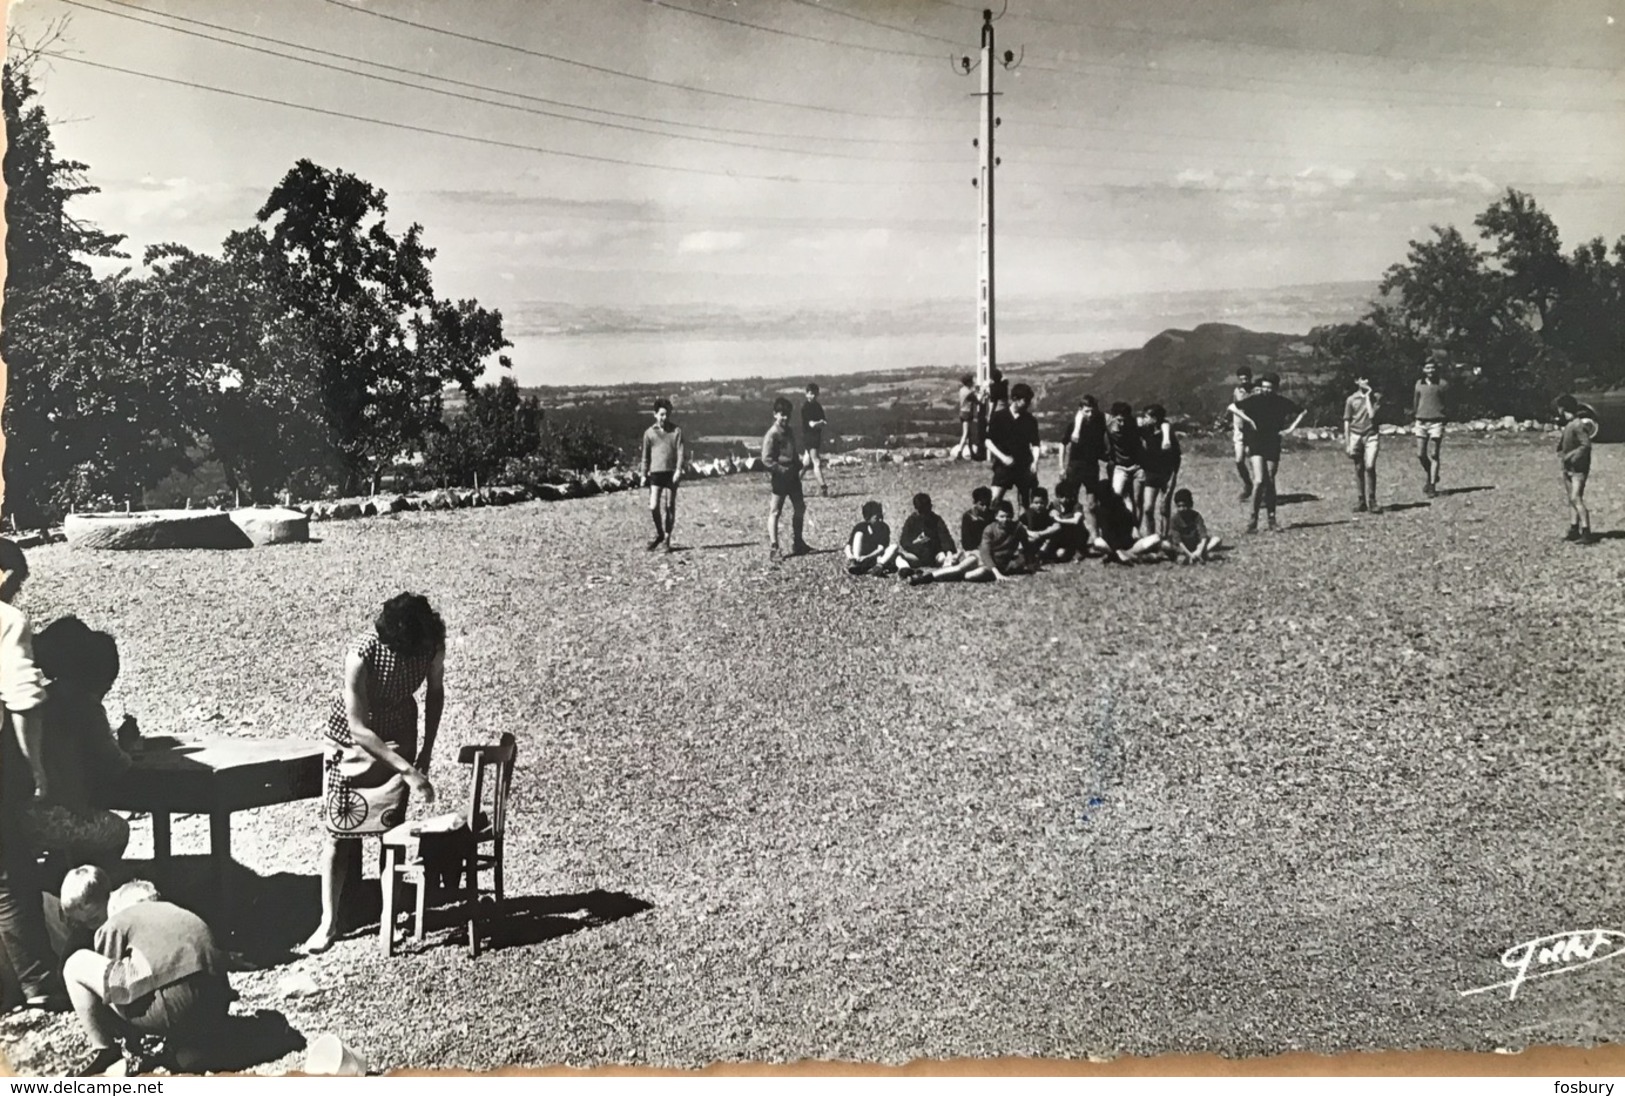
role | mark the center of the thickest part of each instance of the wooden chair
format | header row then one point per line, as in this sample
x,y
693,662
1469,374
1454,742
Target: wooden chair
x,y
416,852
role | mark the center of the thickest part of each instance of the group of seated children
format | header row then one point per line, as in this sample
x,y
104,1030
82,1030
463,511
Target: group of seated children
x,y
993,544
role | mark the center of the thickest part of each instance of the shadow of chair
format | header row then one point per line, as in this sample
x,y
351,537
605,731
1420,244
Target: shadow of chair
x,y
425,854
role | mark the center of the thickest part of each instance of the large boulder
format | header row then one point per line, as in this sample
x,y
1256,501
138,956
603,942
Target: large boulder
x,y
152,529
272,525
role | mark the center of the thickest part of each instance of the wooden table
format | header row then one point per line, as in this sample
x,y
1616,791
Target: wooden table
x,y
216,777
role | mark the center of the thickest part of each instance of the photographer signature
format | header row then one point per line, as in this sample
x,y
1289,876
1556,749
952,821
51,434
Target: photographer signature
x,y
1562,952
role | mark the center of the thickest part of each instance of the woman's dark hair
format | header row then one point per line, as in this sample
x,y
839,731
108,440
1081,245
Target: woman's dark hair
x,y
68,649
408,625
922,503
872,510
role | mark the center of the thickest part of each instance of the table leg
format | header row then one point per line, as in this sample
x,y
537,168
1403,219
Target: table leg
x,y
220,855
160,835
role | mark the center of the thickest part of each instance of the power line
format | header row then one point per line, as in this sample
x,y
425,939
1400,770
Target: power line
x,y
473,98
504,91
1454,59
875,22
490,141
761,100
794,34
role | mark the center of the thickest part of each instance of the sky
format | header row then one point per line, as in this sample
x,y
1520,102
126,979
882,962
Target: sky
x,y
814,158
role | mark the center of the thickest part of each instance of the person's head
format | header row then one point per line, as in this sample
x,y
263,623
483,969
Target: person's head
x,y
1021,396
995,373
967,381
922,503
13,569
1119,416
69,651
981,498
133,893
1567,407
1156,414
812,391
1183,499
1006,513
84,896
872,511
662,410
1430,366
1040,497
1363,382
1269,382
1244,377
781,410
409,626
1090,407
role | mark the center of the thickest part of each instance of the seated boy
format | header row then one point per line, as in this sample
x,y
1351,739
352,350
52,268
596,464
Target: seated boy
x,y
1072,536
1005,550
1116,533
155,971
926,541
868,545
976,519
1188,539
1043,530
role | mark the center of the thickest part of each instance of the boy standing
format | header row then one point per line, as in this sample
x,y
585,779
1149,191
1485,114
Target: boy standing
x,y
156,970
783,462
664,455
1266,415
1238,435
1574,454
1429,406
1082,450
1360,442
1012,442
967,419
812,435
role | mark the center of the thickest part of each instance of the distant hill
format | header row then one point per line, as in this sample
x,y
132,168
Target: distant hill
x,y
1191,373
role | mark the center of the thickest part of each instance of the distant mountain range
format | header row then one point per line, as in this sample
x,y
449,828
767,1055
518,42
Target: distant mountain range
x,y
1290,308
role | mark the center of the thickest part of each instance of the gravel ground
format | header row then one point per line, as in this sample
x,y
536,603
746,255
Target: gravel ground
x,y
1293,801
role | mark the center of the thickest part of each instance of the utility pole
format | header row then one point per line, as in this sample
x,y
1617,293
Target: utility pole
x,y
986,336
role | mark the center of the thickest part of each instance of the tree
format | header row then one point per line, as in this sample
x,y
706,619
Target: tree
x,y
58,334
498,428
356,320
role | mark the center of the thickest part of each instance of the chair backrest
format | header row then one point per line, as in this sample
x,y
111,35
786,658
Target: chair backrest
x,y
500,757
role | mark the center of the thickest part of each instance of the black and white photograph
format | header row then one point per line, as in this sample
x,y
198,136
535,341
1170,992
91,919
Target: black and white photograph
x,y
692,533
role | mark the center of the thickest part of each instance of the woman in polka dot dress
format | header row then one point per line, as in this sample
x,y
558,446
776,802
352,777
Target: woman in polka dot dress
x,y
373,761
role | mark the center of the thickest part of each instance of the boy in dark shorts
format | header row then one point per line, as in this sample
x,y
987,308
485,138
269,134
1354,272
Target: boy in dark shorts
x,y
925,543
1012,443
1123,455
1574,454
155,971
812,435
1238,434
967,419
782,460
1159,465
1188,540
1430,410
1266,415
1361,441
976,519
1082,450
664,455
1117,537
869,542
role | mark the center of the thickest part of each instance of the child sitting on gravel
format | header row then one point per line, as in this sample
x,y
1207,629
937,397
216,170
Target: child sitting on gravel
x,y
1116,534
1005,550
1188,540
869,542
973,521
156,971
1041,527
925,543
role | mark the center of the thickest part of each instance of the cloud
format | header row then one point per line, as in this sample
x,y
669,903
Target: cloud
x,y
711,242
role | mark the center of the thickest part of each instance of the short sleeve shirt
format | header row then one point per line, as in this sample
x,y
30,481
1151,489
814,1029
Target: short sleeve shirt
x,y
812,411
1123,448
1153,456
876,535
1088,443
1360,412
1188,528
1015,436
1271,413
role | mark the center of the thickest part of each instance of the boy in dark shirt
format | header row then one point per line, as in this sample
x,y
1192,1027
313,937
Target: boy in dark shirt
x,y
1072,536
926,542
1574,454
1123,445
967,419
869,542
1266,415
1001,553
812,435
1082,450
1430,410
156,971
1188,540
783,462
1159,461
1116,532
1012,443
1040,525
974,520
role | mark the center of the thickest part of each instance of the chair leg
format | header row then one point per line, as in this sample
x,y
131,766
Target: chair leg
x,y
496,870
423,895
386,920
471,898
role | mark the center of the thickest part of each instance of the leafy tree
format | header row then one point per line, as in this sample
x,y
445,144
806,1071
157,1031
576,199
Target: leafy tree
x,y
372,346
497,428
58,334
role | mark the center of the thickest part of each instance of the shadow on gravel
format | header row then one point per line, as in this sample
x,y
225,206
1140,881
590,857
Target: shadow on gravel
x,y
713,547
1399,507
1443,491
1317,524
534,919
1294,500
1612,534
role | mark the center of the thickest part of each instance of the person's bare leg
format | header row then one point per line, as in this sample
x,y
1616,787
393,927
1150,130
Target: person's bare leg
x,y
671,513
333,863
1577,504
85,976
1258,471
1242,470
1422,459
798,518
774,509
1436,450
1271,467
818,470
